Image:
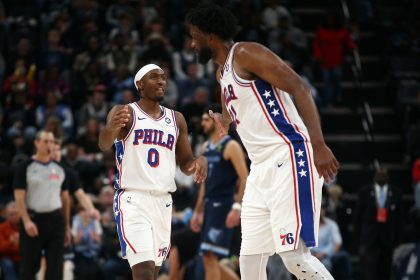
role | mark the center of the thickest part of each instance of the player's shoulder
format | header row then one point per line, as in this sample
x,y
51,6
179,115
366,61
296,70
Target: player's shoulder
x,y
248,48
232,144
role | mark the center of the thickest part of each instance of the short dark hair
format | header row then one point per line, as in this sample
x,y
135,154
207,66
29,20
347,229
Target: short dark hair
x,y
213,19
216,108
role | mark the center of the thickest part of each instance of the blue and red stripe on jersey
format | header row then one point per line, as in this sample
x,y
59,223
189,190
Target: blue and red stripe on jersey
x,y
275,113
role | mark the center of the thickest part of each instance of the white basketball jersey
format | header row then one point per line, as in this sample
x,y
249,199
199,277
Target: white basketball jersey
x,y
266,118
145,158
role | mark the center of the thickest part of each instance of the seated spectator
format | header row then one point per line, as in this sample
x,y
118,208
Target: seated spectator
x,y
113,265
53,79
9,243
187,87
87,234
329,240
88,141
53,108
96,107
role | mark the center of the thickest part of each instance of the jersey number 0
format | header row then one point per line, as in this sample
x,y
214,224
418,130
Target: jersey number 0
x,y
153,157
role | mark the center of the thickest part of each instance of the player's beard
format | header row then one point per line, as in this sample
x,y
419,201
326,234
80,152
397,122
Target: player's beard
x,y
204,55
158,98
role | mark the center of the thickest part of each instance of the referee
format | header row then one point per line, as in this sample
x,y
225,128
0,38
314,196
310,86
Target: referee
x,y
42,199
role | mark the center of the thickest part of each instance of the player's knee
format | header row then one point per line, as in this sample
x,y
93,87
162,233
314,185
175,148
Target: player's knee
x,y
304,266
253,266
209,258
144,271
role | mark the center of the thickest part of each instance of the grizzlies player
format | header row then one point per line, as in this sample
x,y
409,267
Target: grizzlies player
x,y
290,160
221,213
149,139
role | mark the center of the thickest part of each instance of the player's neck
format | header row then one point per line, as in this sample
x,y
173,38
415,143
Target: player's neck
x,y
221,53
215,137
152,108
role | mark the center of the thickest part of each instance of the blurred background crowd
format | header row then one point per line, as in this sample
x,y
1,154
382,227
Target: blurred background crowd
x,y
64,64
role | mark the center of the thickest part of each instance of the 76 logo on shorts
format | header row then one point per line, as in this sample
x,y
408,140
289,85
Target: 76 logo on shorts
x,y
288,237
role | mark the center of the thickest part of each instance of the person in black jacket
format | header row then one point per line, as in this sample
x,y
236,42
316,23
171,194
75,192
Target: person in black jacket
x,y
378,223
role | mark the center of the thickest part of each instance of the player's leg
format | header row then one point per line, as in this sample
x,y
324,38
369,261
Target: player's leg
x,y
295,207
257,241
143,271
303,265
211,266
227,273
133,216
216,237
253,267
161,229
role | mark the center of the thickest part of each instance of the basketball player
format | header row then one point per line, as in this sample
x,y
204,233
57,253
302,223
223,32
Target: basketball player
x,y
281,204
149,140
221,209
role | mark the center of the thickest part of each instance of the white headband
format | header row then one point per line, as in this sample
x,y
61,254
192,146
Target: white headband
x,y
143,71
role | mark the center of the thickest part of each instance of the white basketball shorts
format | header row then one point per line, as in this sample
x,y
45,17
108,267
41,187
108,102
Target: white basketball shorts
x,y
282,202
144,225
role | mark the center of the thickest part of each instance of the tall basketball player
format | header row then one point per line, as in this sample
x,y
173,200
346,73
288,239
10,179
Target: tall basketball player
x,y
290,160
149,139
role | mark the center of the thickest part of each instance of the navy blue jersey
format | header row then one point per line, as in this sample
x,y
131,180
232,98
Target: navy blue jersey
x,y
221,178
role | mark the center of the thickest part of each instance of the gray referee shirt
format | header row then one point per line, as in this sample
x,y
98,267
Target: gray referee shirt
x,y
43,183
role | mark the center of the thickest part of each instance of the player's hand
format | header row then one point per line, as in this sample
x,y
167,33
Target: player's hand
x,y
199,167
325,162
31,228
67,237
120,118
222,127
196,222
94,213
233,218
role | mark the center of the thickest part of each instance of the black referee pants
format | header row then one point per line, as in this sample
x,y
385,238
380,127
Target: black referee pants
x,y
50,241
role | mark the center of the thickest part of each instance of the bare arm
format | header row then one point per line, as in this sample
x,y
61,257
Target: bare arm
x,y
184,155
86,203
254,60
197,217
30,227
222,120
235,154
65,200
118,123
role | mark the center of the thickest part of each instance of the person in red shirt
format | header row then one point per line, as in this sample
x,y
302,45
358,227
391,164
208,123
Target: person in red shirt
x,y
329,46
9,243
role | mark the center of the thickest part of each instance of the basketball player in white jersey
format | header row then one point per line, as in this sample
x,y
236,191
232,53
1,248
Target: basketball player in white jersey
x,y
149,140
275,116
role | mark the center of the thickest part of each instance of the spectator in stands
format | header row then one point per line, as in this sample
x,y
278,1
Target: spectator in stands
x,y
121,81
181,59
9,243
329,239
120,54
53,108
22,80
272,13
378,219
188,87
113,265
55,53
93,52
53,79
88,140
96,107
329,46
23,51
87,234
